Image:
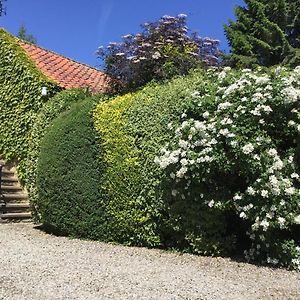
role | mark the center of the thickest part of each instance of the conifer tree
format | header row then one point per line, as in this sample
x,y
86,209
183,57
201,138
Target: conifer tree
x,y
265,33
23,35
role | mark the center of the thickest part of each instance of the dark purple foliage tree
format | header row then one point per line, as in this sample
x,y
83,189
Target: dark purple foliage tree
x,y
2,8
163,49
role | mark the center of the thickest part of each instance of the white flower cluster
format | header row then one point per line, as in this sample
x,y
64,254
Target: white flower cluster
x,y
169,158
199,136
238,132
260,108
291,94
224,106
248,148
223,73
262,80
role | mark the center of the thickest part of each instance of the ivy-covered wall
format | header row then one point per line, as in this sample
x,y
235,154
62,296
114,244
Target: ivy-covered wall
x,y
21,83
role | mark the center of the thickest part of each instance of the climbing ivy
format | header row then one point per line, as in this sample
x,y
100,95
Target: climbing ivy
x,y
21,83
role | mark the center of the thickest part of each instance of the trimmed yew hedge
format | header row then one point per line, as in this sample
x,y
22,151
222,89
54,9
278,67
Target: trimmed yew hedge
x,y
69,173
52,109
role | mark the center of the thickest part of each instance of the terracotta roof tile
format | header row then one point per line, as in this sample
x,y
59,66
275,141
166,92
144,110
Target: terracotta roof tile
x,y
68,73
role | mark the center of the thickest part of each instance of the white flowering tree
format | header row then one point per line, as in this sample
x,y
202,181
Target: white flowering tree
x,y
237,150
163,49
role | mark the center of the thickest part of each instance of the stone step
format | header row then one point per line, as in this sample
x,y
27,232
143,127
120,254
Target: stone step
x,y
8,179
8,166
10,183
19,204
8,172
15,206
13,196
10,188
15,216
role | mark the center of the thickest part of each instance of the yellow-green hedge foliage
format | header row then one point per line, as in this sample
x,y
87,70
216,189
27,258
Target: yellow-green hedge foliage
x,y
127,216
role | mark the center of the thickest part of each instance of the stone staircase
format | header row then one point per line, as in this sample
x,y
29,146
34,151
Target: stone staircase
x,y
14,203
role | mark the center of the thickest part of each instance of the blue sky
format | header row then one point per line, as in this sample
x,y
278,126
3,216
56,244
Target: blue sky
x,y
76,28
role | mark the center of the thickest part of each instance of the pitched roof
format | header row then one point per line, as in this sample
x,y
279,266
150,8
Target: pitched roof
x,y
66,72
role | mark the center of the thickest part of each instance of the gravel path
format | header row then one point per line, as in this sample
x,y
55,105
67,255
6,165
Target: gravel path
x,y
37,266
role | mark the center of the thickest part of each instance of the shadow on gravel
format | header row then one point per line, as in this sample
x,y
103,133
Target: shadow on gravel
x,y
50,230
238,259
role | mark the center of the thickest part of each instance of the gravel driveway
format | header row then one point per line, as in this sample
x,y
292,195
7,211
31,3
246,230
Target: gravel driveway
x,y
38,266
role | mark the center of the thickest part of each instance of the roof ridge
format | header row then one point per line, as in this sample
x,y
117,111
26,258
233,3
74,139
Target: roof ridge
x,y
53,52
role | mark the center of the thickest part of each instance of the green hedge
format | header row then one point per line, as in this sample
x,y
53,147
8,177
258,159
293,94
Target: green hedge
x,y
114,191
20,97
140,208
68,173
128,217
52,109
205,163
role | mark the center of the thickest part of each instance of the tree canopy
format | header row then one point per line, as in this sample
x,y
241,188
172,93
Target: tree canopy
x,y
2,8
265,33
163,49
23,35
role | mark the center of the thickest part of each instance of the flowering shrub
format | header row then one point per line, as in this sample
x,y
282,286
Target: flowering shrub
x,y
236,150
135,202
